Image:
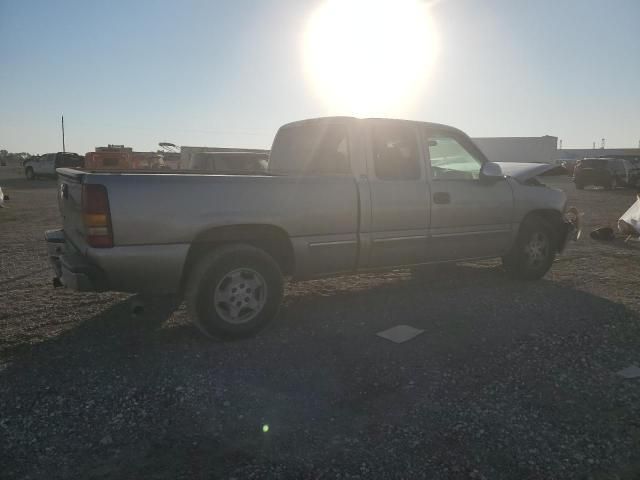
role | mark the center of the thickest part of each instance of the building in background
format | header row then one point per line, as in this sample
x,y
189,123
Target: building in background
x,y
580,153
119,157
519,149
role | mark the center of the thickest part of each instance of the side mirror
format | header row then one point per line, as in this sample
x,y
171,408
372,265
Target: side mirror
x,y
491,172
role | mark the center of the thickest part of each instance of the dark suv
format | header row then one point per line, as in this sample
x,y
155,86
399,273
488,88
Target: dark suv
x,y
604,172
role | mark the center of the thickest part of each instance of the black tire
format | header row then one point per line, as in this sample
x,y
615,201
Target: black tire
x,y
29,173
206,282
535,238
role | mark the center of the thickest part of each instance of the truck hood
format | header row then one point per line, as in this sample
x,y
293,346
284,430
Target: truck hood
x,y
524,171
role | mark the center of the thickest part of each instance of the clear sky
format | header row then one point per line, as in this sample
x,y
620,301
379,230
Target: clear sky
x,y
216,73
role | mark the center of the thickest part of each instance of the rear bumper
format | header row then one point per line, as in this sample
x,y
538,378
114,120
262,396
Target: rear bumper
x,y
71,269
80,275
135,268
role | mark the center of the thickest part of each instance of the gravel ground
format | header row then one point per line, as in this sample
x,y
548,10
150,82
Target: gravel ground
x,y
508,380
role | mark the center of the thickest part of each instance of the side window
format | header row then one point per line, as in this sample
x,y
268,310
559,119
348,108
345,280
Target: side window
x,y
395,153
450,160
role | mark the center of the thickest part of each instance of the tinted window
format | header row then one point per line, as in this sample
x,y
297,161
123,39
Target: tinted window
x,y
593,163
316,149
451,161
395,153
69,161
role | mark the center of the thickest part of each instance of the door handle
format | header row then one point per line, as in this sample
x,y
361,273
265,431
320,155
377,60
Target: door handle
x,y
441,198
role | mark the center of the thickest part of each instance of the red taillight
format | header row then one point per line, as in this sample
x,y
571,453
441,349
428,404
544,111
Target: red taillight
x,y
96,216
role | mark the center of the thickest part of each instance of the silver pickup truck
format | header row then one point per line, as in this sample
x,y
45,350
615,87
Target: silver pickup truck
x,y
340,196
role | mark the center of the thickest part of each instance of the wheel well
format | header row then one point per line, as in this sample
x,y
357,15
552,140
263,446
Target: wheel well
x,y
269,238
553,218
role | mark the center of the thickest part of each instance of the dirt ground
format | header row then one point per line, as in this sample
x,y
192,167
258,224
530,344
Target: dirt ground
x,y
508,380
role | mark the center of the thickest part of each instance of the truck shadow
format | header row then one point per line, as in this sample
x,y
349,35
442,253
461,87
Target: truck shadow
x,y
192,405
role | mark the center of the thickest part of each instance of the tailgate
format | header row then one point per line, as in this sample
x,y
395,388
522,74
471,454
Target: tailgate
x,y
70,204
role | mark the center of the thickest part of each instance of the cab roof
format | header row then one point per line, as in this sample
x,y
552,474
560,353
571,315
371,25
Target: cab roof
x,y
348,119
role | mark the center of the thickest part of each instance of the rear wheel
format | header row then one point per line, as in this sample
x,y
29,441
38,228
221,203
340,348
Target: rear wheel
x,y
30,174
234,291
534,251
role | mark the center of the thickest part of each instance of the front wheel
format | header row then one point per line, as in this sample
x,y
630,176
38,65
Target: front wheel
x,y
234,291
534,251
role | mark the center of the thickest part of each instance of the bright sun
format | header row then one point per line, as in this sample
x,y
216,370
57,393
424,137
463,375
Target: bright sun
x,y
369,57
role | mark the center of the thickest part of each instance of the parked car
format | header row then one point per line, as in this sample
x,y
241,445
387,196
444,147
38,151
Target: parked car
x,y
609,173
46,165
341,196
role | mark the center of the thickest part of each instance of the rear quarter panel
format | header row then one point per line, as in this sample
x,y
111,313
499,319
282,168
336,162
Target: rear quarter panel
x,y
166,208
319,214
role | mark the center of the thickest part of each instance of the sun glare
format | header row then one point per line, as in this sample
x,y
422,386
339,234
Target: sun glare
x,y
369,57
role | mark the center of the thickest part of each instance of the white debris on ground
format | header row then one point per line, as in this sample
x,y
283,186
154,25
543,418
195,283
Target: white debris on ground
x,y
632,371
400,333
629,223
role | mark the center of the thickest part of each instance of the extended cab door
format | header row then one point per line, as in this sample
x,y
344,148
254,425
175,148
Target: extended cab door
x,y
46,165
470,218
399,194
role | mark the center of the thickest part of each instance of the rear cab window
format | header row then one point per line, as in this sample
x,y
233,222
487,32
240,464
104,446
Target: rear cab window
x,y
69,160
311,149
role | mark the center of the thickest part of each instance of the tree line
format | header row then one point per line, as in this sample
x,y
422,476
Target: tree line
x,y
13,158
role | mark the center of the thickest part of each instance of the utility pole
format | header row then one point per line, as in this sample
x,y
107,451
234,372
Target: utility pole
x,y
63,147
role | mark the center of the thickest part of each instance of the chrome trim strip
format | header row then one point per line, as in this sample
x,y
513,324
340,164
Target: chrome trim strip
x,y
467,234
331,244
396,239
